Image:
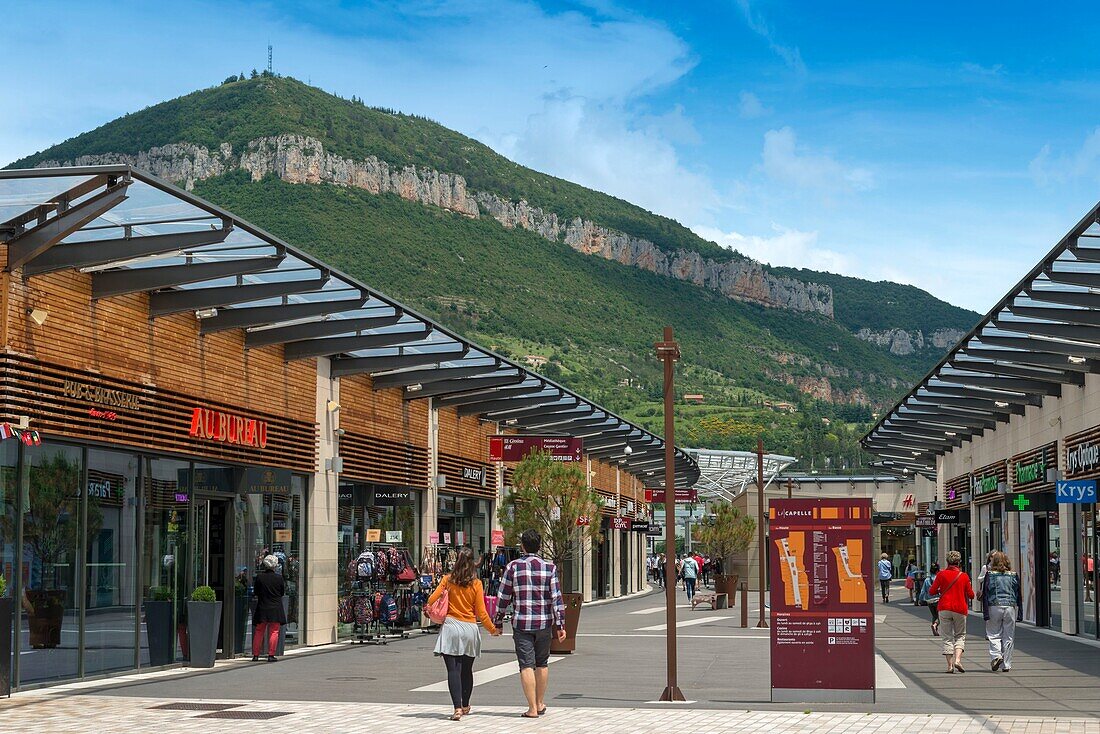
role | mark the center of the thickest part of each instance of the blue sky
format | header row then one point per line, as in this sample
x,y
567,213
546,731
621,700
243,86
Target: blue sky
x,y
948,145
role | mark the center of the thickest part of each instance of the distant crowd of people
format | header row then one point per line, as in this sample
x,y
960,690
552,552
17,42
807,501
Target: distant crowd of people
x,y
692,569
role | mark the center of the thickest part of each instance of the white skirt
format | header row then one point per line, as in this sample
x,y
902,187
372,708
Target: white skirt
x,y
459,638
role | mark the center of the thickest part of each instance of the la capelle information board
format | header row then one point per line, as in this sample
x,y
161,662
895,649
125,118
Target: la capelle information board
x,y
822,609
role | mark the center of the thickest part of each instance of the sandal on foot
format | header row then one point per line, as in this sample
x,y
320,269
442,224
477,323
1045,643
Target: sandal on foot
x,y
525,715
542,711
959,668
465,710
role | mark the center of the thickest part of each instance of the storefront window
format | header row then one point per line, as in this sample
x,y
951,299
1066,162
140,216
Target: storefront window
x,y
51,515
9,456
464,521
109,616
164,591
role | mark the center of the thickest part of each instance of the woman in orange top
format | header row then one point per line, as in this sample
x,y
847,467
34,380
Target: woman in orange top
x,y
460,640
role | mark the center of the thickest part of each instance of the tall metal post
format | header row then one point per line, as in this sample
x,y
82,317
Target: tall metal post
x,y
668,351
761,543
790,487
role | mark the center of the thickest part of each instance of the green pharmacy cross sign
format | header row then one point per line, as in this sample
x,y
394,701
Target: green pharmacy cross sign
x,y
1033,502
1022,502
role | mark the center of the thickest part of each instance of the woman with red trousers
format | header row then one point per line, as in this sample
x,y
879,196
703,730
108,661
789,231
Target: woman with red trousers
x,y
952,585
268,588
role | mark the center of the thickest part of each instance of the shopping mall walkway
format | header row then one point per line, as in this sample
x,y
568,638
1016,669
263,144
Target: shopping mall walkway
x,y
611,683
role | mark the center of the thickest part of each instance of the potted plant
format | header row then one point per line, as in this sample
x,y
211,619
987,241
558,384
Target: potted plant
x,y
6,618
240,611
160,625
554,499
723,533
51,535
204,615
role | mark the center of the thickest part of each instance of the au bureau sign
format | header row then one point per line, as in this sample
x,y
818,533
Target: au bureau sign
x,y
215,425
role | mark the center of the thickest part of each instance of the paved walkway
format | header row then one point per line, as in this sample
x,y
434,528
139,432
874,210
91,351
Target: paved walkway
x,y
76,714
608,685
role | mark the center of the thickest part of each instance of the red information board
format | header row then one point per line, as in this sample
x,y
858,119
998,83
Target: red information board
x,y
516,448
683,496
822,611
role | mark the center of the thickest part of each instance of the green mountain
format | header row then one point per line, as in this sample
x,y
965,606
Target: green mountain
x,y
531,264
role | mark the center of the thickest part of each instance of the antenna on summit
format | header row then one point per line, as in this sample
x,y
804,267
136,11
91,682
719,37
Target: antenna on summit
x,y
269,71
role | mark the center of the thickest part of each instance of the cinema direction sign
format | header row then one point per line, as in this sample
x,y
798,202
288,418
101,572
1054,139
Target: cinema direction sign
x,y
517,448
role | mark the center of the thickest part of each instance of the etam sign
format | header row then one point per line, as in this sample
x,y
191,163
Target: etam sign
x,y
214,425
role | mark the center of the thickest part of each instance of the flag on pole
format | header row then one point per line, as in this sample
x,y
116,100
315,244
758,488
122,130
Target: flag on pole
x,y
6,431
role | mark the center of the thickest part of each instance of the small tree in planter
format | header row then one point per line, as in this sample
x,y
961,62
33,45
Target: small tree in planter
x,y
722,534
553,498
204,613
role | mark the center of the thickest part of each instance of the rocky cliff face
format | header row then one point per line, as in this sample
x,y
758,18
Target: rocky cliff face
x,y
902,342
302,159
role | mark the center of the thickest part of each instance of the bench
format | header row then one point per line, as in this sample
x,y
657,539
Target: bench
x,y
716,601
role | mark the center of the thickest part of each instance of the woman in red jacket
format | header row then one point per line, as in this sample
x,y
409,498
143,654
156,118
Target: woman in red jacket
x,y
955,592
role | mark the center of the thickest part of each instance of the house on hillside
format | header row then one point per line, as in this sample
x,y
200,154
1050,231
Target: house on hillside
x,y
535,360
696,398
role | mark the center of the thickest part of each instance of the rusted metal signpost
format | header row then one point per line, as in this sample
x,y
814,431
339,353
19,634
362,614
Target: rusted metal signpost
x,y
668,351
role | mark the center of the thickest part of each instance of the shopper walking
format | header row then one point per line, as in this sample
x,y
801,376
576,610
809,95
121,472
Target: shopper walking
x,y
885,574
690,571
1001,605
530,587
459,641
952,591
923,600
268,588
911,580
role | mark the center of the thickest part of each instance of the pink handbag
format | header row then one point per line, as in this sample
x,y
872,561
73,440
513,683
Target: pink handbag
x,y
491,606
437,610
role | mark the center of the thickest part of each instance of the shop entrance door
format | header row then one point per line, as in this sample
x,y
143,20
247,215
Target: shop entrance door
x,y
1042,572
213,562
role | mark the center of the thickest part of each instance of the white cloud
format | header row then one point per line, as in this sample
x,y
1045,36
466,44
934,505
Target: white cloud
x,y
751,107
787,247
758,25
597,145
786,162
1047,167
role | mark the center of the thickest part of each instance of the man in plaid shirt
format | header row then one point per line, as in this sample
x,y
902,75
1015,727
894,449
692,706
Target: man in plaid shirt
x,y
530,587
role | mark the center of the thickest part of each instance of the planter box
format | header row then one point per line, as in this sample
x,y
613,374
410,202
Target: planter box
x,y
44,622
160,631
573,604
726,584
7,607
204,622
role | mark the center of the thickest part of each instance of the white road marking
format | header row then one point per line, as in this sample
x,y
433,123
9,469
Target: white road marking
x,y
685,623
654,610
885,677
481,677
880,618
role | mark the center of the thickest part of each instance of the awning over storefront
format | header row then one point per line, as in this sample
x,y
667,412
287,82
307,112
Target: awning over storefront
x,y
135,233
1045,333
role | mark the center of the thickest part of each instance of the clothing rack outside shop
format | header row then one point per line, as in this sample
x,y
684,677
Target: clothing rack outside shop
x,y
380,606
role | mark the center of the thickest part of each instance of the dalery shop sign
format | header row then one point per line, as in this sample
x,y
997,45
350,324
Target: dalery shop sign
x,y
215,425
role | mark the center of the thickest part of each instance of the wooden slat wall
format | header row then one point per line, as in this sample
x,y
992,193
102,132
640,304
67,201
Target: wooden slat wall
x,y
466,437
1048,454
998,469
113,341
959,485
451,467
386,439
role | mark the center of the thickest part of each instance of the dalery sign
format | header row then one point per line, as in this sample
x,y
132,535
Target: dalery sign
x,y
516,448
823,622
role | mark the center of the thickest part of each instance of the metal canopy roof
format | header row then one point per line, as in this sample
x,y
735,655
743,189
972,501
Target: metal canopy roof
x,y
1044,334
133,232
723,475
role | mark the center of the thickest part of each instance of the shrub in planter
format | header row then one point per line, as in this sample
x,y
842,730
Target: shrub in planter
x,y
723,533
204,616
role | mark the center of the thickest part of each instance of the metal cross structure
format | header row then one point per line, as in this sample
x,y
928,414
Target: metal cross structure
x,y
724,475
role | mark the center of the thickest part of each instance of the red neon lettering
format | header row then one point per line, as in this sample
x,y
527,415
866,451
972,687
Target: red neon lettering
x,y
262,434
